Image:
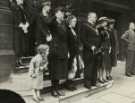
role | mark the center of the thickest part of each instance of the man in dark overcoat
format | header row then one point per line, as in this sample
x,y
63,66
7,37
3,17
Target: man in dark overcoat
x,y
43,33
32,9
91,41
114,44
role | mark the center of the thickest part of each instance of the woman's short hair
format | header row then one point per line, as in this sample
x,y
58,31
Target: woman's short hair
x,y
69,18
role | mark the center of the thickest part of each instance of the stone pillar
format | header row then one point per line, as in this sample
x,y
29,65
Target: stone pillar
x,y
7,57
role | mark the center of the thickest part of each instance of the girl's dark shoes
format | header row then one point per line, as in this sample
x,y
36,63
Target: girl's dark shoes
x,y
36,100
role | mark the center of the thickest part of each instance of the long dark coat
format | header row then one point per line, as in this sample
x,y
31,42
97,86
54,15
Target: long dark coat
x,y
75,49
105,45
20,39
114,45
31,8
58,58
89,38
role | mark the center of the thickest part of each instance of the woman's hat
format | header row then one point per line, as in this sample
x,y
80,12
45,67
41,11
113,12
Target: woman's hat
x,y
102,19
60,8
45,2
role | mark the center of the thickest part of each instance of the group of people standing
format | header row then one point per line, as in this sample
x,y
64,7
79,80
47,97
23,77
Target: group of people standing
x,y
67,46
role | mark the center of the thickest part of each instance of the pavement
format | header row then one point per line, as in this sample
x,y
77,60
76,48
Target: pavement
x,y
122,90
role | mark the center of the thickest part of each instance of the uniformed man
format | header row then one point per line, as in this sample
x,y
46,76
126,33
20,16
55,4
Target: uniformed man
x,y
129,37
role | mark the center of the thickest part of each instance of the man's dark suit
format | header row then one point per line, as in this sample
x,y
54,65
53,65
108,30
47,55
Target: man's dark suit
x,y
90,38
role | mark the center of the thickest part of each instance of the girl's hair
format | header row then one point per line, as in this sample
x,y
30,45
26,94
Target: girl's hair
x,y
42,48
69,18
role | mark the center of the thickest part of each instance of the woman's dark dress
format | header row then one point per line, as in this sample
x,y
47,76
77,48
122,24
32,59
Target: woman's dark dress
x,y
58,58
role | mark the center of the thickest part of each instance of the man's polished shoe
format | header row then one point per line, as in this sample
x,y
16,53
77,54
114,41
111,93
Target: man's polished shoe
x,y
87,86
54,93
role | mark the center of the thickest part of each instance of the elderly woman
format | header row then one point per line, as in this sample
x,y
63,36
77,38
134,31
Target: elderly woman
x,y
75,49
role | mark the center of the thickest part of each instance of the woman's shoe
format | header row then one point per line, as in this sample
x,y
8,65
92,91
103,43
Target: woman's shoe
x,y
101,81
41,99
36,100
105,80
109,78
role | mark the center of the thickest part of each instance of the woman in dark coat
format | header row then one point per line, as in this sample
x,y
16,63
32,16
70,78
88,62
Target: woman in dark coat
x,y
58,58
106,49
75,48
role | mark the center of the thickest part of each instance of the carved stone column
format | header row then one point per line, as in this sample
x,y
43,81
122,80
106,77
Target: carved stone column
x,y
7,58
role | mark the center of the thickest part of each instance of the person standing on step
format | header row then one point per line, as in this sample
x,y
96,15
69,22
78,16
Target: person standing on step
x,y
91,42
114,44
75,48
104,70
58,58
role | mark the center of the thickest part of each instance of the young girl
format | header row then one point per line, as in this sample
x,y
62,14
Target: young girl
x,y
37,65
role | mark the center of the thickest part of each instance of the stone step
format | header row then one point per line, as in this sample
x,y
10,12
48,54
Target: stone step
x,y
80,93
83,92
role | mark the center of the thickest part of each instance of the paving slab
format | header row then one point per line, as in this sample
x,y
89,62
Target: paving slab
x,y
115,98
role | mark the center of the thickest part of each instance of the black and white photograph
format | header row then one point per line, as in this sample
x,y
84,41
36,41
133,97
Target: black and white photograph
x,y
67,51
